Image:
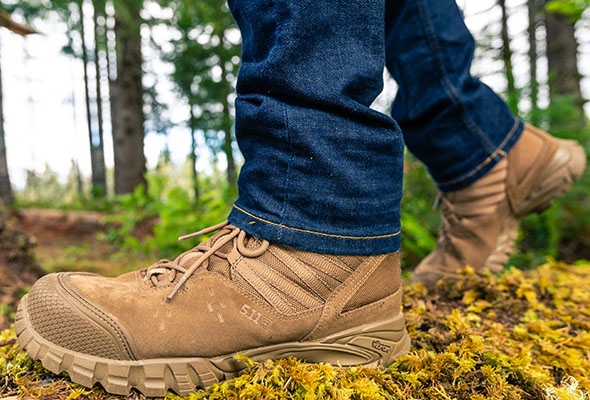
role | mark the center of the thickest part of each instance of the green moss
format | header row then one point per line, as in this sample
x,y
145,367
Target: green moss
x,y
521,335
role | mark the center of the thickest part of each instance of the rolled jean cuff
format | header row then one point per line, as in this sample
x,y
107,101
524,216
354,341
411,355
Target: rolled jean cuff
x,y
488,160
319,242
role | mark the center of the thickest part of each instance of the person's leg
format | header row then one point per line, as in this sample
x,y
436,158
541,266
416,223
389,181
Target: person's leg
x,y
491,171
451,121
322,170
322,174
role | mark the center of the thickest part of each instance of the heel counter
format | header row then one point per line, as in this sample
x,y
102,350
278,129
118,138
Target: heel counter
x,y
526,160
383,282
358,289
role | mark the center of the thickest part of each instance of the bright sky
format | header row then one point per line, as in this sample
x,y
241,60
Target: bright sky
x,y
45,117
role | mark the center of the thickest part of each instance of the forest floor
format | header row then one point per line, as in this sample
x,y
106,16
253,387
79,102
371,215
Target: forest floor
x,y
74,241
521,335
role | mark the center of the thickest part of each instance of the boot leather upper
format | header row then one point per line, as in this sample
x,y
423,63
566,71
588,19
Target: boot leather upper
x,y
231,304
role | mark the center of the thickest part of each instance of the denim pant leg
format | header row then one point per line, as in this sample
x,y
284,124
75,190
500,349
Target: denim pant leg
x,y
322,171
451,121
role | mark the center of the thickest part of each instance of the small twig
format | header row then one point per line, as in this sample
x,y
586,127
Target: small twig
x,y
286,384
564,342
7,342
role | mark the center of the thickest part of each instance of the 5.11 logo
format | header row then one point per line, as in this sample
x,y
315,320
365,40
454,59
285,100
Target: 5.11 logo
x,y
255,317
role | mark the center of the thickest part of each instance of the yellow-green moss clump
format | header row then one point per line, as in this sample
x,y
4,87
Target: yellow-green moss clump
x,y
522,335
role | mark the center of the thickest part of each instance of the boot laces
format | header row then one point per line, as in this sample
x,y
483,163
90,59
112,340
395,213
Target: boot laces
x,y
205,251
449,217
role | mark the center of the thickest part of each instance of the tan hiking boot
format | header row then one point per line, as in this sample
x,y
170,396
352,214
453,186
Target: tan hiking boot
x,y
177,325
480,223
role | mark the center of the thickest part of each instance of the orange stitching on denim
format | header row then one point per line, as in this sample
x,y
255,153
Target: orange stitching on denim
x,y
316,233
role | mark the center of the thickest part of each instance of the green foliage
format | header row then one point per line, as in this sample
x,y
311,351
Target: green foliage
x,y
521,335
174,210
45,190
573,8
419,219
206,59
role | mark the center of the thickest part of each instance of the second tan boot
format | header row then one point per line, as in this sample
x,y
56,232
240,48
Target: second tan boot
x,y
480,222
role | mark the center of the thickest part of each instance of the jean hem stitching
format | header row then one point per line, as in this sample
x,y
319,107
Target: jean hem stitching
x,y
314,232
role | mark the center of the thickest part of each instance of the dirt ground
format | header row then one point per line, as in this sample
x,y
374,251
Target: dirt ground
x,y
38,241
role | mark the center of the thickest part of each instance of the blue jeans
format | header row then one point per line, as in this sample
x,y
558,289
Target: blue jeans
x,y
323,171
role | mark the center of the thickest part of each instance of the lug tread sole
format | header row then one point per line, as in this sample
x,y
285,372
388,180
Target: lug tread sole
x,y
377,346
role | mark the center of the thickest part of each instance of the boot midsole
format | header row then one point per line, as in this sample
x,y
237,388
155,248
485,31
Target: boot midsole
x,y
371,344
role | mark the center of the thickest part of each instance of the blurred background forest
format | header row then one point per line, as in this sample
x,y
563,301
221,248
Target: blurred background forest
x,y
116,126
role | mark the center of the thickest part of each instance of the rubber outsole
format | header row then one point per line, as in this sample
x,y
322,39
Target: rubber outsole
x,y
377,344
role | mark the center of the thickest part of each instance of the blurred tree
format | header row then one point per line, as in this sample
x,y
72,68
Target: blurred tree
x,y
183,58
507,59
98,21
156,110
96,143
6,195
72,12
562,57
206,61
533,58
128,91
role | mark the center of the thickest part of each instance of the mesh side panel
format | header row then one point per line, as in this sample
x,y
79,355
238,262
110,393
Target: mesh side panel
x,y
384,281
57,322
219,265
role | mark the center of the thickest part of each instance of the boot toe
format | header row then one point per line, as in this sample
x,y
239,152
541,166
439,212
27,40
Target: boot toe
x,y
56,316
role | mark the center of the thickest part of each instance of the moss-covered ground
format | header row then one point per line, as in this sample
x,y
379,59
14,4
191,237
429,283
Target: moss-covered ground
x,y
521,335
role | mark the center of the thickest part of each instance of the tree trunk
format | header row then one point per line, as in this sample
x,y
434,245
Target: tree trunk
x,y
534,85
6,196
79,185
227,124
112,77
129,135
98,169
99,148
562,57
507,58
193,155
